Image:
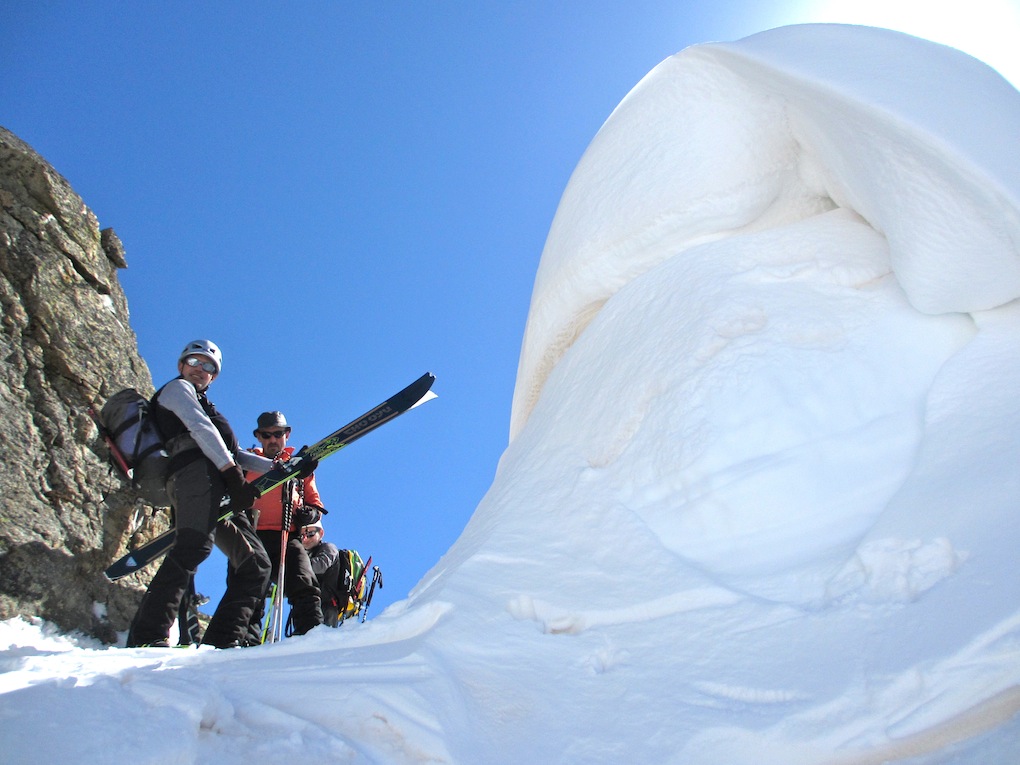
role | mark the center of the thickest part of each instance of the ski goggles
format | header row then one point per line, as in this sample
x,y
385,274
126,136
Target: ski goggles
x,y
206,366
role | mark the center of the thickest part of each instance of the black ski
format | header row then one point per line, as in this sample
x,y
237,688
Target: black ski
x,y
414,394
144,555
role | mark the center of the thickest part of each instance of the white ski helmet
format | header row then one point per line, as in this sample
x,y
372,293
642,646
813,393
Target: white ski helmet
x,y
205,348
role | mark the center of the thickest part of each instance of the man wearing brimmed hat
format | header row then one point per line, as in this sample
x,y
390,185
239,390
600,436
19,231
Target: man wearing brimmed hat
x,y
300,585
271,420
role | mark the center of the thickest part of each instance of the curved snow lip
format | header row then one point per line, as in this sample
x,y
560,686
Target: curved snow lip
x,y
399,623
731,138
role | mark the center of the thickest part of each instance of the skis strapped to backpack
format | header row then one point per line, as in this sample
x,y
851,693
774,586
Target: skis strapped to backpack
x,y
352,590
358,600
413,395
356,607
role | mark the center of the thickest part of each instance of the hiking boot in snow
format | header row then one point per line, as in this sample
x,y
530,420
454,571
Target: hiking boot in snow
x,y
163,643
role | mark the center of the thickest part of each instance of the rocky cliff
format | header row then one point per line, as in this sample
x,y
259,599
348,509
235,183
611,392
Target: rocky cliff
x,y
66,343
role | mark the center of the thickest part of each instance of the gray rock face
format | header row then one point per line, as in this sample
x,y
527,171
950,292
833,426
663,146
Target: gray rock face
x,y
66,343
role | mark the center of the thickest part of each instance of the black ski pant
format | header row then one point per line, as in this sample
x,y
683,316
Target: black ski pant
x,y
190,630
299,583
245,594
195,492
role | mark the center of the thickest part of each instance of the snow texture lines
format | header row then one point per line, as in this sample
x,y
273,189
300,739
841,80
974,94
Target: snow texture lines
x,y
558,621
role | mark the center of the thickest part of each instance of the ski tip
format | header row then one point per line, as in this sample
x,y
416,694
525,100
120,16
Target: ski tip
x,y
429,395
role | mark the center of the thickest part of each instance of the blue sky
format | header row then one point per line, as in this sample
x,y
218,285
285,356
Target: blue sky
x,y
342,196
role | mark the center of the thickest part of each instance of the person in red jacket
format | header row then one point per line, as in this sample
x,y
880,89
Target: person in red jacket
x,y
300,585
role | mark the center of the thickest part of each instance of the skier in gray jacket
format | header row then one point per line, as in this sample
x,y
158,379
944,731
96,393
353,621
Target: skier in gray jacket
x,y
205,480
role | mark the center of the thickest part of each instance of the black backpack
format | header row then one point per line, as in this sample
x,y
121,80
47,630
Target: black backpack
x,y
131,431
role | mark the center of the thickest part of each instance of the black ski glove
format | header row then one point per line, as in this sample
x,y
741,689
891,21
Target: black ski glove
x,y
242,495
307,465
306,516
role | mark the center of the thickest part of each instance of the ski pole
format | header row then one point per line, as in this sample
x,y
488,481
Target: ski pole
x,y
277,633
376,577
269,617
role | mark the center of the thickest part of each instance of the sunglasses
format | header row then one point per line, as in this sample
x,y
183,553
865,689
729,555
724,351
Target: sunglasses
x,y
272,433
207,366
308,534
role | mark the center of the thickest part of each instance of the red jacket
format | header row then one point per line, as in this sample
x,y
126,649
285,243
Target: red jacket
x,y
270,505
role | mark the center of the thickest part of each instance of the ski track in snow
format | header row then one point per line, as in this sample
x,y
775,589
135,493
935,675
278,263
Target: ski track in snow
x,y
747,695
561,621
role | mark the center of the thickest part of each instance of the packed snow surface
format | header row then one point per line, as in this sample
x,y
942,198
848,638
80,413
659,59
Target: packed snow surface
x,y
761,502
